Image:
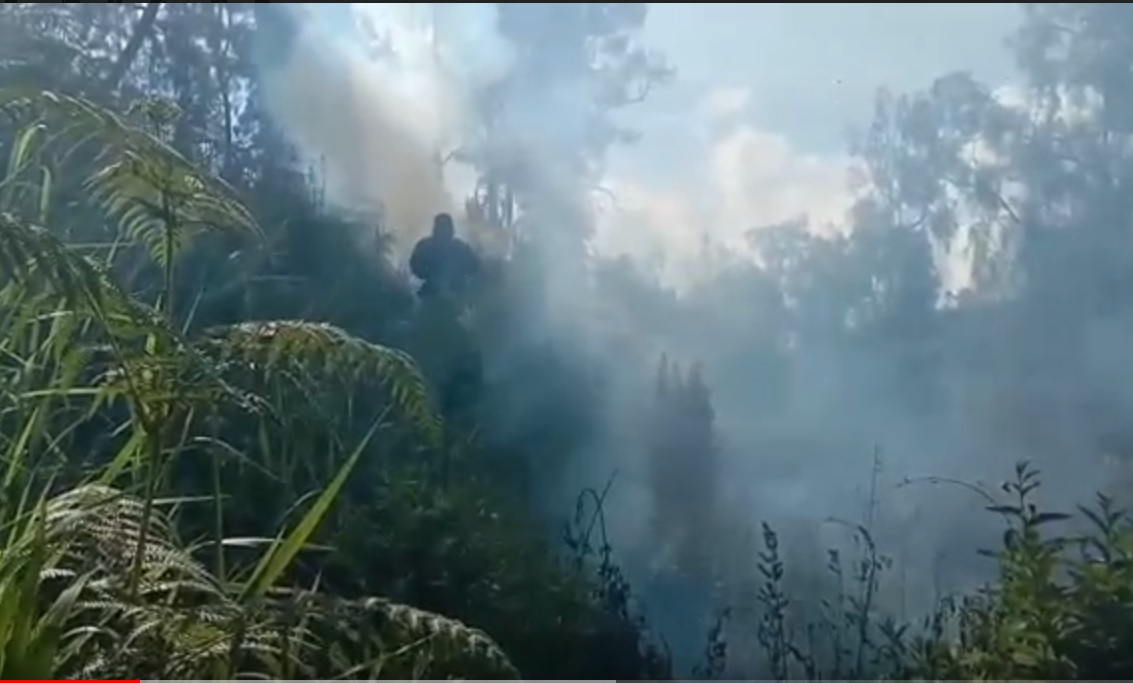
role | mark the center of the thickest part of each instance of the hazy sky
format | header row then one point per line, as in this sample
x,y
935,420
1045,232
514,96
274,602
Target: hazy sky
x,y
755,128
812,66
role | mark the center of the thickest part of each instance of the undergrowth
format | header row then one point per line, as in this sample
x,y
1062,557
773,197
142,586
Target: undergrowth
x,y
1060,608
174,495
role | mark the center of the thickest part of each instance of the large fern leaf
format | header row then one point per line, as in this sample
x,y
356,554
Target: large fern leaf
x,y
32,259
158,196
435,645
180,623
296,345
185,623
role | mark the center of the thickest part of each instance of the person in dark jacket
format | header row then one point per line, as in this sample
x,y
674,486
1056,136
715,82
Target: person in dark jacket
x,y
447,266
443,261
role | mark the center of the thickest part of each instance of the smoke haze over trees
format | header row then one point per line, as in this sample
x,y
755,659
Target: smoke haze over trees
x,y
613,456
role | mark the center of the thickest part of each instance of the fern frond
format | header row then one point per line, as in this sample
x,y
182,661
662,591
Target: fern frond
x,y
154,200
32,258
145,184
180,620
320,348
103,526
185,624
450,644
186,378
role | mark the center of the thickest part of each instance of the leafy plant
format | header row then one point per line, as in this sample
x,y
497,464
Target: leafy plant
x,y
132,599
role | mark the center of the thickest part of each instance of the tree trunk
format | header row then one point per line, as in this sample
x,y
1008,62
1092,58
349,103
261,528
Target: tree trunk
x,y
142,31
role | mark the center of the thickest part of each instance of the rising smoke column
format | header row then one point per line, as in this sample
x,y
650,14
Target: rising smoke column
x,y
372,126
376,129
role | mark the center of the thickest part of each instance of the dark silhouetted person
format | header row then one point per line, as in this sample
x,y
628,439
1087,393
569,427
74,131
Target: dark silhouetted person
x,y
445,262
447,266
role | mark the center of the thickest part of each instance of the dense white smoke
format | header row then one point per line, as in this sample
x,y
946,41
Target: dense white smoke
x,y
376,113
380,127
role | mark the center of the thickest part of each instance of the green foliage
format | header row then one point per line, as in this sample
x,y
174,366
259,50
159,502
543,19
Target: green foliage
x,y
1060,609
217,459
97,582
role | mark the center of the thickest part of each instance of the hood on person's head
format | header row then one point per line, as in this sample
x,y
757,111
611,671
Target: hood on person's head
x,y
443,227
